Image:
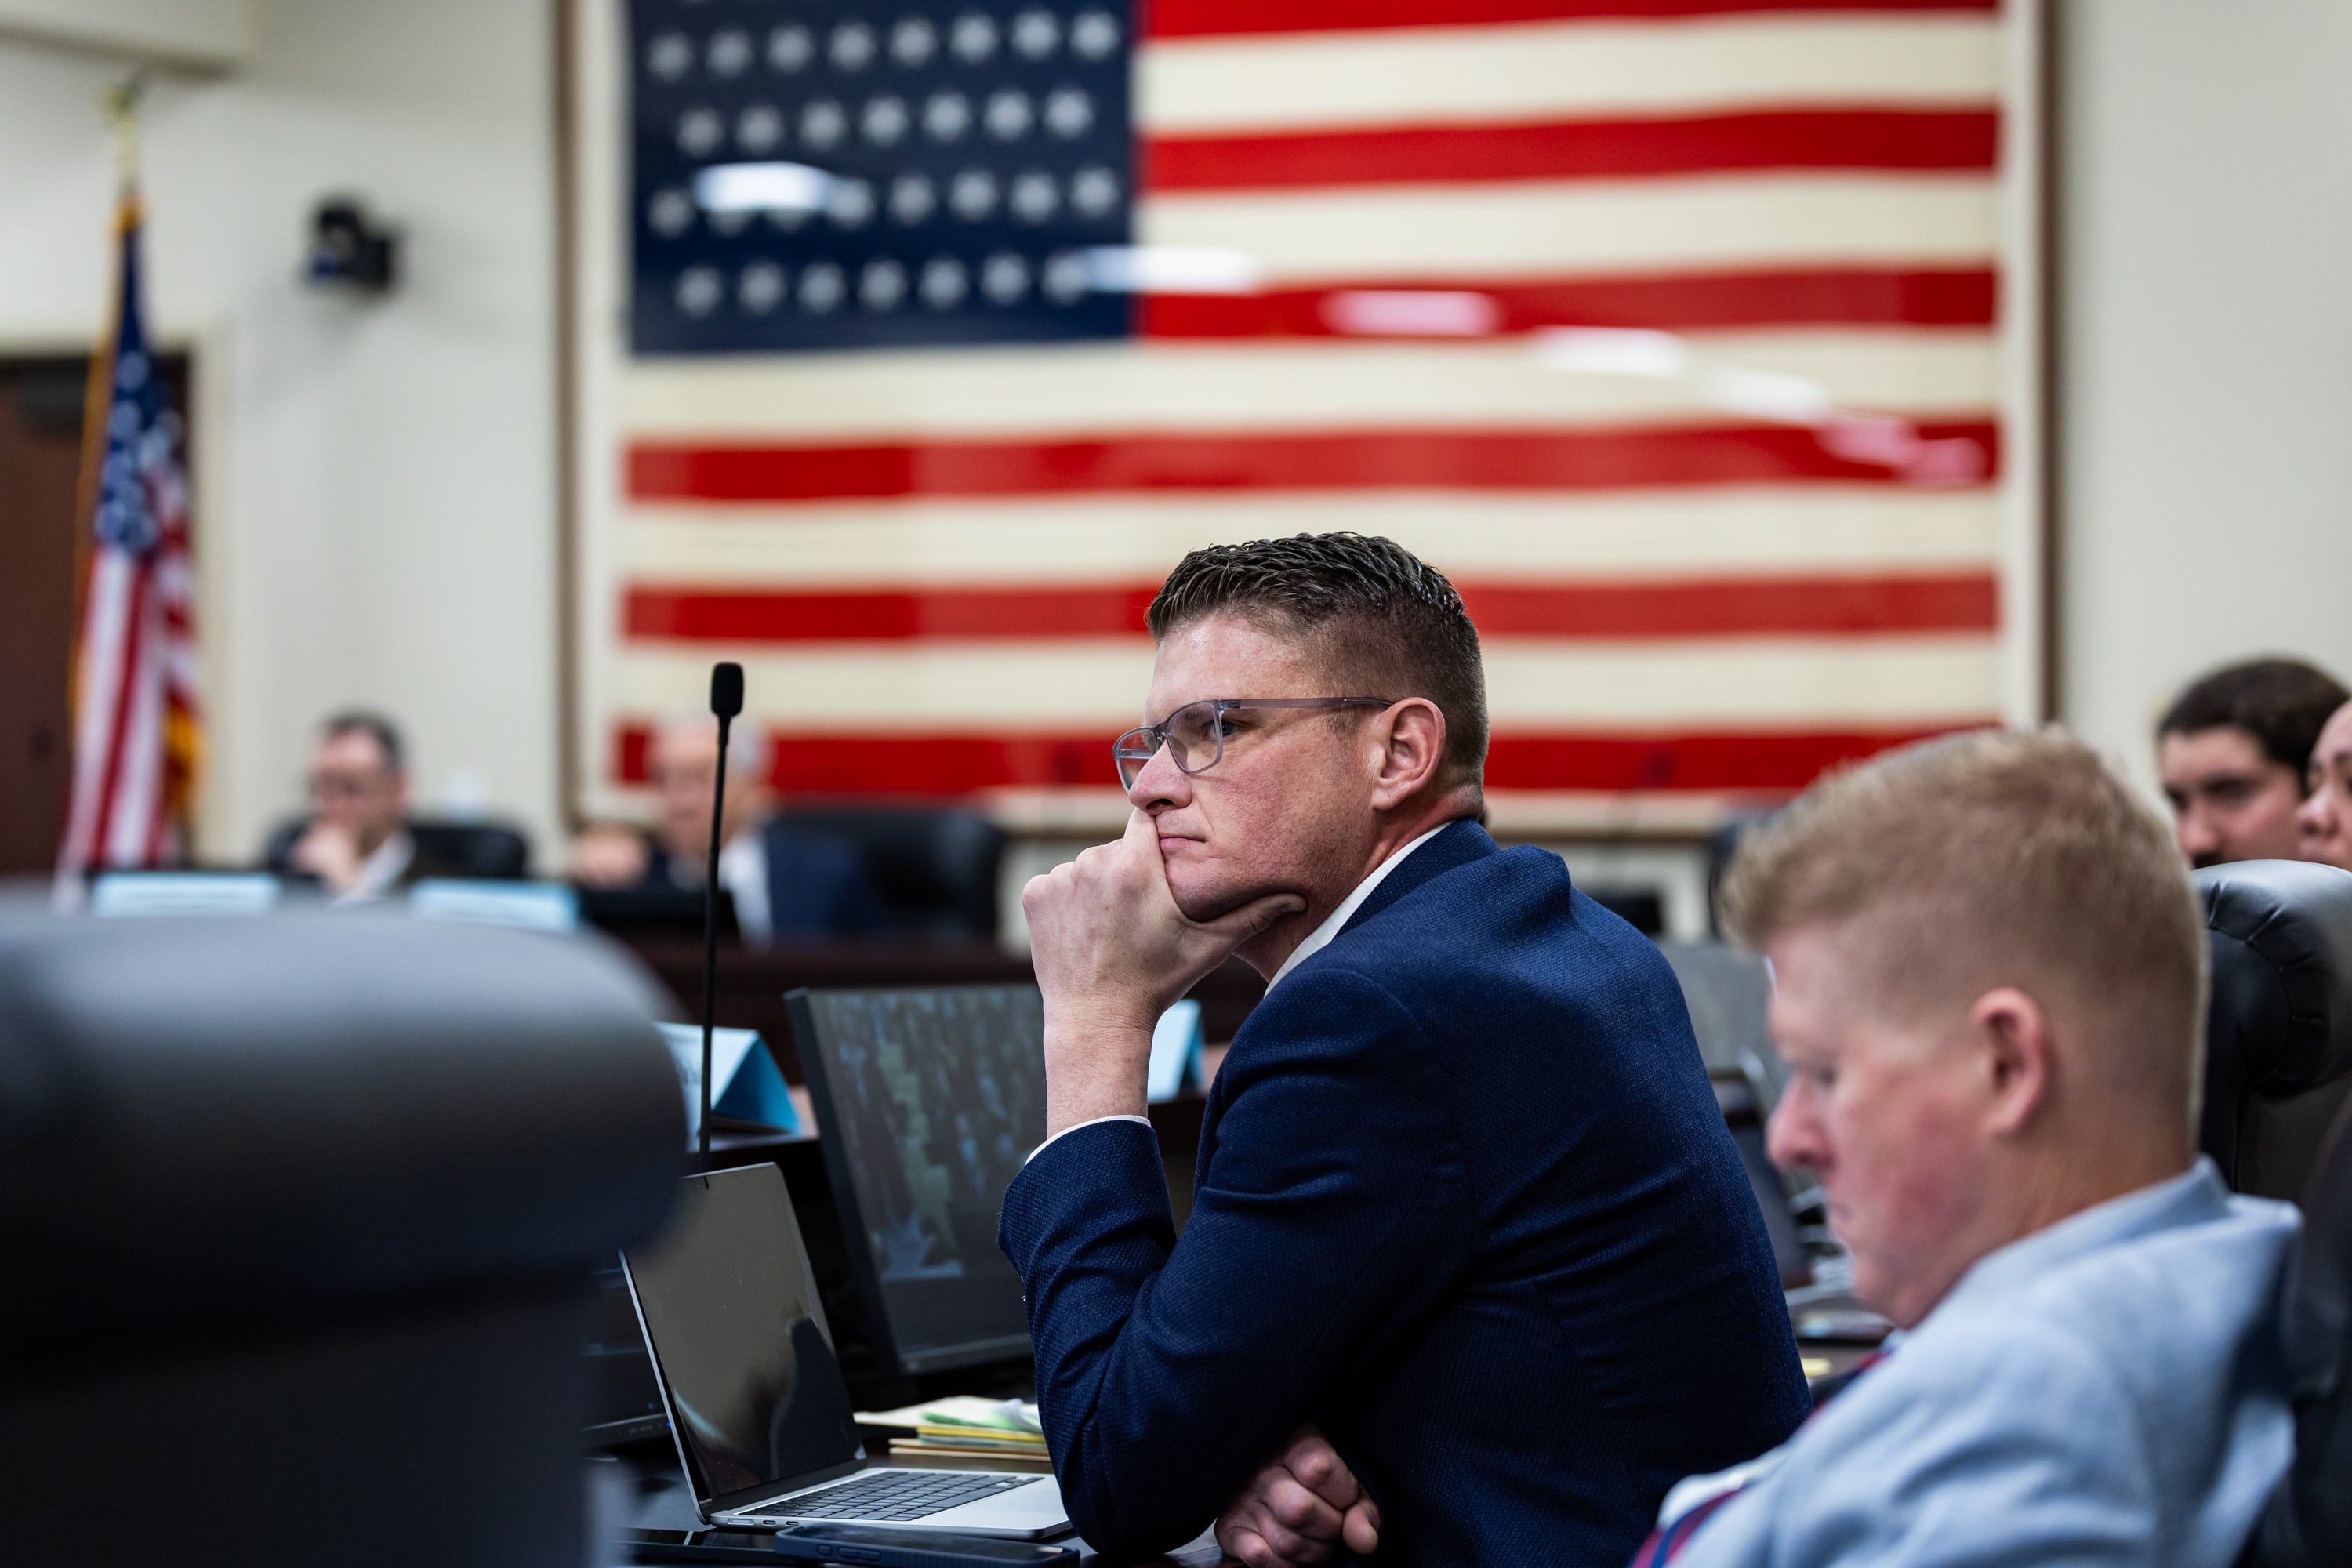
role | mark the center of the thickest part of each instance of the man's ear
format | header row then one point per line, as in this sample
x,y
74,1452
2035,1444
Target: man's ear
x,y
1411,736
2011,1035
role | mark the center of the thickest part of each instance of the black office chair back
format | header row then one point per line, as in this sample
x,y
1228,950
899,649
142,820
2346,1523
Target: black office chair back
x,y
490,851
2278,1039
1727,992
299,1217
2308,1523
935,869
484,851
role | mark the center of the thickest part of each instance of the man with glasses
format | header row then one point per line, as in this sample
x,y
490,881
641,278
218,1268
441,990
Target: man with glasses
x,y
1465,1205
356,841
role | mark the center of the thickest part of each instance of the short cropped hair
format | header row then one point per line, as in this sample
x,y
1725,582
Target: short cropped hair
x,y
1997,856
1391,626
2282,702
375,727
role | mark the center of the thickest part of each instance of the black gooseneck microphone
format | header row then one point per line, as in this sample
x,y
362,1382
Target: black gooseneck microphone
x,y
726,702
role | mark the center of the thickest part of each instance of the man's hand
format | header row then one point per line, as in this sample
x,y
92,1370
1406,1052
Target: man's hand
x,y
1113,952
604,857
327,851
1301,1508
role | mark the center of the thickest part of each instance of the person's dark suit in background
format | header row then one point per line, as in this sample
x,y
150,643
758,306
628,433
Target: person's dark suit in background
x,y
1464,1199
784,883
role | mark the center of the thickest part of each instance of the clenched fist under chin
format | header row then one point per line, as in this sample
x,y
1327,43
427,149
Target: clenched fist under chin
x,y
1112,953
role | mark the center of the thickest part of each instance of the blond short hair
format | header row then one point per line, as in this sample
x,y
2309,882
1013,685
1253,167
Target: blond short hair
x,y
1997,856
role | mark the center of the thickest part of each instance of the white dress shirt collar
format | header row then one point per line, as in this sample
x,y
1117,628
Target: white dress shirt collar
x,y
1320,937
743,872
380,874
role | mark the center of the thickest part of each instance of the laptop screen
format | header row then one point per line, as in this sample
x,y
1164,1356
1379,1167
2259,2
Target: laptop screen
x,y
735,1327
928,1102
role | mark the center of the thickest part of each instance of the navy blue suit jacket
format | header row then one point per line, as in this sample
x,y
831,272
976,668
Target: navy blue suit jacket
x,y
1464,1200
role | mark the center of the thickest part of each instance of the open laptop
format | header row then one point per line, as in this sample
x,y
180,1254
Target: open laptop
x,y
756,1400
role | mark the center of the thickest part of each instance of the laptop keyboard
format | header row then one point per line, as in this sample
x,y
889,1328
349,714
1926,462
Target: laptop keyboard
x,y
892,1495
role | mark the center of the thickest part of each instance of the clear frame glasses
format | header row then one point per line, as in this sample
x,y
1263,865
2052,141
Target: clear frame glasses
x,y
1196,733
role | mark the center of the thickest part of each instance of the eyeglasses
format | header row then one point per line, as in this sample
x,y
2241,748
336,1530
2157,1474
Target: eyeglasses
x,y
344,786
1196,733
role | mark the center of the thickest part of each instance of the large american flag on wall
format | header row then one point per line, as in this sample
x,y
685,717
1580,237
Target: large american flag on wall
x,y
1675,331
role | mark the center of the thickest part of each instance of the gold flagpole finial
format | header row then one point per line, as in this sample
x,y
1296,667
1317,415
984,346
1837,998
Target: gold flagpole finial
x,y
120,103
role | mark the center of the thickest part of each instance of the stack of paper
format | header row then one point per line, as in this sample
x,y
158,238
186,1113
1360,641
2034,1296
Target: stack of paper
x,y
1005,1431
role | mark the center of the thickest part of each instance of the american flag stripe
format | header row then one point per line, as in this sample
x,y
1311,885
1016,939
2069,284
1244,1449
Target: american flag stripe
x,y
944,684
1589,70
1664,762
135,835
1684,302
1394,459
1668,534
933,564
1572,227
1575,150
104,667
1186,387
1582,611
1200,18
118,808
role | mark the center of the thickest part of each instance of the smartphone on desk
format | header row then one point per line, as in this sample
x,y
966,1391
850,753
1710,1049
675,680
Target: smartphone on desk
x,y
909,1548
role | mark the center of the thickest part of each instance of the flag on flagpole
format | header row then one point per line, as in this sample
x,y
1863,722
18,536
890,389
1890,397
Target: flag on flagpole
x,y
134,689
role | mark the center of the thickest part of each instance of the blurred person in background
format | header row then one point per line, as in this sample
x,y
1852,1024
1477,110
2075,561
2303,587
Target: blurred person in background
x,y
785,883
2324,820
356,842
2232,752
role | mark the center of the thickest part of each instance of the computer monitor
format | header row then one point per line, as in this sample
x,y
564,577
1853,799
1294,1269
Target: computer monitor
x,y
928,1100
653,911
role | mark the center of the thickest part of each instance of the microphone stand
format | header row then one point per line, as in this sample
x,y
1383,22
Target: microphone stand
x,y
711,937
726,702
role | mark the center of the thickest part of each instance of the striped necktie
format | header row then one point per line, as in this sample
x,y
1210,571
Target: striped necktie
x,y
1666,1542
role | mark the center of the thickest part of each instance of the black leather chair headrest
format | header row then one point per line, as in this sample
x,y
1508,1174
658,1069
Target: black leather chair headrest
x,y
935,868
2279,1028
232,1119
488,851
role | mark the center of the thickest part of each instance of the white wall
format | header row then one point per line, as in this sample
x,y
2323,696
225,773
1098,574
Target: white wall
x,y
200,34
2206,347
375,480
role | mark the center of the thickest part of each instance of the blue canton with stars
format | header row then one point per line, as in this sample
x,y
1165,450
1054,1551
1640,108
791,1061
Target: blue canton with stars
x,y
977,151
142,434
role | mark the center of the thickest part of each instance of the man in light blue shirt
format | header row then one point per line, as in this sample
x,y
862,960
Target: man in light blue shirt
x,y
2097,1392
1990,982
1989,989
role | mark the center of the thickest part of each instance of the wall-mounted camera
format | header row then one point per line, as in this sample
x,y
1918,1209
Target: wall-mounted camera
x,y
349,249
